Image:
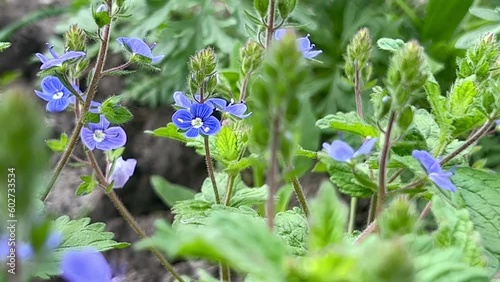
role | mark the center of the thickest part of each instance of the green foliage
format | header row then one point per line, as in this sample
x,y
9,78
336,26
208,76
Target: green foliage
x,y
226,144
4,45
480,194
89,183
292,227
348,122
58,145
400,218
170,193
348,182
328,219
114,112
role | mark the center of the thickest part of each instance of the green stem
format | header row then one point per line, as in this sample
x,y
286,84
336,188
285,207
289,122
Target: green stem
x,y
128,216
91,92
225,273
270,22
272,172
210,169
352,214
229,189
371,209
409,12
426,210
118,68
383,165
299,191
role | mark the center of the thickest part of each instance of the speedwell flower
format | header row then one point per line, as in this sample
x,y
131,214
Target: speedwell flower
x,y
303,44
137,46
101,136
57,61
343,152
85,265
25,251
122,170
55,93
235,109
196,120
434,171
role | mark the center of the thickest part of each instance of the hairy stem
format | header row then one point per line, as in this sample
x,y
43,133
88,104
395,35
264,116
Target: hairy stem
x,y
425,211
371,209
210,169
272,172
229,190
270,22
244,87
118,68
128,216
299,191
383,165
371,227
90,93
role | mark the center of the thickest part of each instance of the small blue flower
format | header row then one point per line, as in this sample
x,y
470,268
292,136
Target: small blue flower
x,y
55,93
303,44
342,152
497,122
101,136
122,171
24,251
87,265
434,171
196,120
137,46
237,110
57,61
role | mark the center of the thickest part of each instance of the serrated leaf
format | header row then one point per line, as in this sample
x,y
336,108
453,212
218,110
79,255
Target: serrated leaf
x,y
91,118
58,145
412,140
221,179
348,122
344,179
480,194
425,123
292,227
117,115
439,109
237,166
301,152
461,96
170,131
87,186
328,218
389,44
170,193
249,197
226,143
468,121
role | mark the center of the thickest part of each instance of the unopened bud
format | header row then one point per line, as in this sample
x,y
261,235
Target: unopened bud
x,y
75,39
251,56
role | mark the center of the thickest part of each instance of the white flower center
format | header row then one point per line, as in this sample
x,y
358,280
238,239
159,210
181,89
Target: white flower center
x,y
197,123
99,136
57,95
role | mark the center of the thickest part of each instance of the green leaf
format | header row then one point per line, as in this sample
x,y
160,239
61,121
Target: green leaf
x,y
236,167
468,121
261,7
348,122
485,14
87,186
398,219
343,177
439,109
457,230
118,115
412,140
226,143
480,194
425,123
58,145
291,226
169,131
389,44
4,45
170,193
461,96
327,219
77,234
284,195
91,118
230,238
249,196
443,18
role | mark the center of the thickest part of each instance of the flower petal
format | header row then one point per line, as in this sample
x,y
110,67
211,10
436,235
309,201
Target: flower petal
x,y
156,59
182,100
87,137
238,110
122,171
51,85
182,119
366,148
304,44
339,150
278,34
57,105
85,265
210,126
42,58
53,241
427,161
44,96
115,137
202,111
101,125
443,181
137,46
312,54
70,55
193,132
218,103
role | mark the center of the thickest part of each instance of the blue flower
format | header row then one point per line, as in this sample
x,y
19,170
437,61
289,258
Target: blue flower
x,y
237,110
137,46
101,136
303,44
24,251
57,61
86,265
196,120
55,93
122,170
342,152
434,171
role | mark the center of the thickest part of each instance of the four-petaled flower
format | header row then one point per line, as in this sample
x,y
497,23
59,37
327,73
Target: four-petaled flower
x,y
122,170
303,44
196,120
57,61
434,171
235,109
342,152
137,46
101,136
85,265
55,93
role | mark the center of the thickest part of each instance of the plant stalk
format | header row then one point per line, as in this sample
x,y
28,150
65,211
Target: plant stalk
x,y
383,165
270,22
210,169
299,191
272,172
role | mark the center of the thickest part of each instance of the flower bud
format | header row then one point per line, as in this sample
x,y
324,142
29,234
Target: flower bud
x,y
75,39
101,15
358,53
251,56
479,59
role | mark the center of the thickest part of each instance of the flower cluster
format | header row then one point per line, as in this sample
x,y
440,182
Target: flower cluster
x,y
303,44
343,152
197,118
103,137
58,61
